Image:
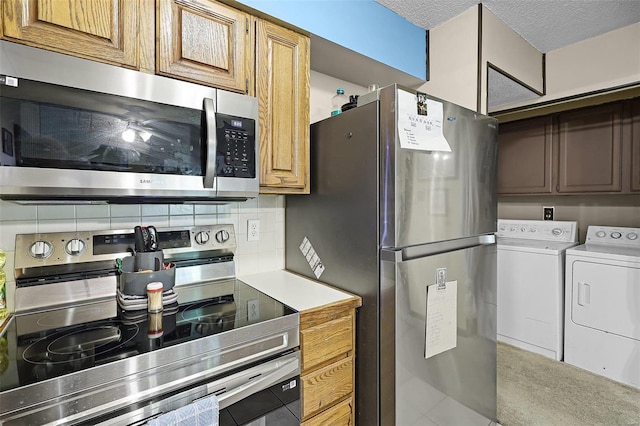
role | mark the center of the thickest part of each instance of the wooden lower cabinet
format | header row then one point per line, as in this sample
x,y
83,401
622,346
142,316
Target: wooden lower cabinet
x,y
327,344
339,415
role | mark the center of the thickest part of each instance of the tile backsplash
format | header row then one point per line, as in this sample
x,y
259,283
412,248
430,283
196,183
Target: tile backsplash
x,y
266,254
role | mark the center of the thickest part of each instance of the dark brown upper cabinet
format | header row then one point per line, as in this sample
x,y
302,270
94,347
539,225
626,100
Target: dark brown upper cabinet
x,y
635,145
525,156
590,149
593,150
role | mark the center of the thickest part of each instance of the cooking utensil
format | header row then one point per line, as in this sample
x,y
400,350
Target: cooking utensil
x,y
139,239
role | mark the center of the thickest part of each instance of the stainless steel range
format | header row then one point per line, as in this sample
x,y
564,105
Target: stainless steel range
x,y
77,356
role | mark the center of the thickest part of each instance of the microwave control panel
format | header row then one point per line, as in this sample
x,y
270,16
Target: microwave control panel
x,y
236,151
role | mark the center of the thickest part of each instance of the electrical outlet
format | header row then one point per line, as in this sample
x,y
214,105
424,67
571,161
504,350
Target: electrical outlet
x,y
253,230
253,310
547,213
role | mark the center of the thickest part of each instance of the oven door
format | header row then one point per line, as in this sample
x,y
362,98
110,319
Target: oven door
x,y
267,393
116,135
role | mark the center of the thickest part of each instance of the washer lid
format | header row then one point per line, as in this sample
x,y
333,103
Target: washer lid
x,y
534,246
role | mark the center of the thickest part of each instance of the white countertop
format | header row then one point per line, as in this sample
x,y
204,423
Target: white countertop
x,y
293,290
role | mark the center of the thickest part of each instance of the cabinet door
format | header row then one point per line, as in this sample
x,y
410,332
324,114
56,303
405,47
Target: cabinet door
x,y
282,86
635,145
525,156
589,149
205,42
103,30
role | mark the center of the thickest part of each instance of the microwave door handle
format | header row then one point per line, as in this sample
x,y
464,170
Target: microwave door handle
x,y
211,142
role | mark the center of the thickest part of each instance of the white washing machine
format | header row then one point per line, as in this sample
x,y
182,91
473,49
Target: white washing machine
x,y
531,283
602,307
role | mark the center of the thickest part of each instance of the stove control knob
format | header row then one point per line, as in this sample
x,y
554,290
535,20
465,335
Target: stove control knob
x,y
632,236
222,236
202,237
503,228
523,229
41,249
601,234
616,235
75,247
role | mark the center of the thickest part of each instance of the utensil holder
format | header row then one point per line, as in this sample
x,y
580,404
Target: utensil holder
x,y
137,273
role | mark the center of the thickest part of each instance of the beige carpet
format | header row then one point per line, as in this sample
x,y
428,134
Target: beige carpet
x,y
535,390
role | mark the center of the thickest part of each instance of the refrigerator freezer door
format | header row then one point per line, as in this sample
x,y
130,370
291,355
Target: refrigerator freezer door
x,y
460,382
429,196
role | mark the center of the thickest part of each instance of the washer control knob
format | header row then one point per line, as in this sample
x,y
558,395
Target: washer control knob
x,y
601,234
523,229
503,228
632,236
222,236
556,232
75,247
202,237
616,235
41,249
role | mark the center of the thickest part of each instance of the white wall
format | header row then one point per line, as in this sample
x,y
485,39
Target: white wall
x,y
251,256
453,60
508,51
599,63
323,88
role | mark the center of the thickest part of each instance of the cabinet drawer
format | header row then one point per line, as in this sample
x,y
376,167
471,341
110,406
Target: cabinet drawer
x,y
340,415
326,341
325,386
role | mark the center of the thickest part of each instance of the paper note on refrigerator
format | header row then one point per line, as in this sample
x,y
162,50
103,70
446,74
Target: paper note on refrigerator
x,y
441,318
420,123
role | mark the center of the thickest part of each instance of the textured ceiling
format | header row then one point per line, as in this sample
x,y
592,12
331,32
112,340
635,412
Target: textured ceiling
x,y
546,24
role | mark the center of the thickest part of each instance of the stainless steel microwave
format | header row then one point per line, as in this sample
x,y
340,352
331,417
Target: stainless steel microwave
x,y
76,131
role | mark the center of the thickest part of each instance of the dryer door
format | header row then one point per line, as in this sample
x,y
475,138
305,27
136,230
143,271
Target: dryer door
x,y
606,297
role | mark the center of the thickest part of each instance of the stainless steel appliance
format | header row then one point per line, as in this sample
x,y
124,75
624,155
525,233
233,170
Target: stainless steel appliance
x,y
75,130
393,216
77,356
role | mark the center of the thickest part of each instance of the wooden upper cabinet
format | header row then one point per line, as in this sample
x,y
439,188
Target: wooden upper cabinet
x,y
206,42
590,149
525,156
282,87
635,145
102,30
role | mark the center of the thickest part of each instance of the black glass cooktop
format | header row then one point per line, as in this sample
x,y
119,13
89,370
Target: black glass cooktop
x,y
44,345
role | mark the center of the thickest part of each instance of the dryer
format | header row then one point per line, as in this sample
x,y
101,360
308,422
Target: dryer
x,y
602,304
531,283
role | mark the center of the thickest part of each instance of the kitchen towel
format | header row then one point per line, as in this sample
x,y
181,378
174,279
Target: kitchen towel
x,y
203,412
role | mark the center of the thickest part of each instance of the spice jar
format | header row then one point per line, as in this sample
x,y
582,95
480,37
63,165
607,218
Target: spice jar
x,y
154,297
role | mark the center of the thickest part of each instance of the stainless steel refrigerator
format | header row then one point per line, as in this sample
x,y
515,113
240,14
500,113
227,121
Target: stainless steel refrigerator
x,y
402,212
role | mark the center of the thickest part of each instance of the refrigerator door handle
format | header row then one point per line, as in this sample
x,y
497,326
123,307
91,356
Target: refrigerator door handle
x,y
404,254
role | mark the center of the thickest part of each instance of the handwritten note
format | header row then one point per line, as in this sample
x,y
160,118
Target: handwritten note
x,y
441,318
420,123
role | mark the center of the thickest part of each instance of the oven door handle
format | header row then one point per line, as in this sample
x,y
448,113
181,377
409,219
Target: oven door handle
x,y
210,142
267,375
